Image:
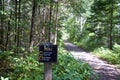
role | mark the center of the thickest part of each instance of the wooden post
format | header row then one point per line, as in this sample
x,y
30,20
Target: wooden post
x,y
47,71
48,66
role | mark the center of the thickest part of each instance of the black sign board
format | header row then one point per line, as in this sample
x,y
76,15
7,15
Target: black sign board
x,y
48,53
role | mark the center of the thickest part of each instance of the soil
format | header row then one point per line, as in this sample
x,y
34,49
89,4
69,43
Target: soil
x,y
103,70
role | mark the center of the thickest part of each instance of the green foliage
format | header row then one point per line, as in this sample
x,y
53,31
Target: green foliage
x,y
105,54
90,44
27,67
5,54
116,49
3,12
101,30
87,42
104,21
112,56
68,68
2,78
5,61
81,7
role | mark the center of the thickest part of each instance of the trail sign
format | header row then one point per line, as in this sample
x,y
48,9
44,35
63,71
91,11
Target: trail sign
x,y
48,53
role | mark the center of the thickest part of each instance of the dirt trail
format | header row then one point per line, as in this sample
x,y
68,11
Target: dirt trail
x,y
104,70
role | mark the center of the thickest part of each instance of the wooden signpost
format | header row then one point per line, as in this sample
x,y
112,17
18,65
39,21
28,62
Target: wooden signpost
x,y
48,55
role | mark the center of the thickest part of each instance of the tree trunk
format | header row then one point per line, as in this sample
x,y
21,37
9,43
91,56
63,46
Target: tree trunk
x,y
50,21
2,28
16,22
31,42
111,28
8,33
8,26
56,23
18,29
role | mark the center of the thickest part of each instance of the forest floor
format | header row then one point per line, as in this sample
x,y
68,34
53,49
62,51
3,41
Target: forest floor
x,y
104,70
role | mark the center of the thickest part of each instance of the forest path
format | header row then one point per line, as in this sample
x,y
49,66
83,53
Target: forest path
x,y
104,70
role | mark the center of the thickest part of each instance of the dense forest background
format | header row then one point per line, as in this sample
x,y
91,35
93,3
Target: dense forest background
x,y
27,23
96,28
100,23
93,25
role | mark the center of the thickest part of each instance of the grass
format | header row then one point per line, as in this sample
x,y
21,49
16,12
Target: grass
x,y
111,56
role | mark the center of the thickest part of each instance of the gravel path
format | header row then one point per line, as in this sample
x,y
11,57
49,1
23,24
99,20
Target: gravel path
x,y
104,70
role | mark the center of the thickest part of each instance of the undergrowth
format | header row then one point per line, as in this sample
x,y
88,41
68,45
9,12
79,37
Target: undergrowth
x,y
28,68
89,43
112,56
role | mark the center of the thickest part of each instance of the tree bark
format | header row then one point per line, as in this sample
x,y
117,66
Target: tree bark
x,y
56,23
50,21
7,36
16,22
2,28
1,33
111,28
31,42
18,29
8,32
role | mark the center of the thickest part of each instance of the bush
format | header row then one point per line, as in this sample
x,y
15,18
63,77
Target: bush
x,y
87,42
112,56
116,51
5,62
27,67
67,68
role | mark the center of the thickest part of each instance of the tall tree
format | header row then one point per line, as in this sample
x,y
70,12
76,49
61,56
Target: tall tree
x,y
8,26
18,29
31,42
16,22
104,18
111,25
56,22
1,33
50,21
2,24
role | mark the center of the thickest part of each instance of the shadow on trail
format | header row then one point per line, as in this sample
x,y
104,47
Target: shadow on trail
x,y
104,70
72,48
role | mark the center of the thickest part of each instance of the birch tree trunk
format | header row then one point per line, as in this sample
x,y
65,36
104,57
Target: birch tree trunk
x,y
56,23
